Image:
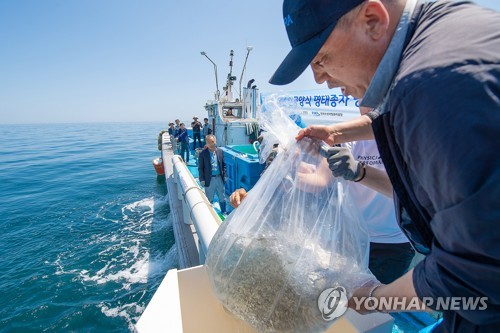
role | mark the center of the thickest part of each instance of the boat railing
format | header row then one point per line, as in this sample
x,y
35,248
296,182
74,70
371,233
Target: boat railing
x,y
197,210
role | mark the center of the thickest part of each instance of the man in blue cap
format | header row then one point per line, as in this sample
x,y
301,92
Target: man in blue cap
x,y
432,72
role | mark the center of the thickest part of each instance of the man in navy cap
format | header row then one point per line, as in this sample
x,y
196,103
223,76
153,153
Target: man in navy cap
x,y
432,72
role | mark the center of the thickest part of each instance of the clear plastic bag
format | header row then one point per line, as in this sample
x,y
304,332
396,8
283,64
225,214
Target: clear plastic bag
x,y
296,234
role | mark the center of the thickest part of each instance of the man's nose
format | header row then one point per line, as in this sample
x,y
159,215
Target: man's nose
x,y
318,72
319,76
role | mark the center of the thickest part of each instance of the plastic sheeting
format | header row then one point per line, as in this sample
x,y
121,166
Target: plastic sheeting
x,y
296,234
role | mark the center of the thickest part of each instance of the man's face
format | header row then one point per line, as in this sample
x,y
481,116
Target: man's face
x,y
182,126
206,121
349,57
338,64
211,143
177,121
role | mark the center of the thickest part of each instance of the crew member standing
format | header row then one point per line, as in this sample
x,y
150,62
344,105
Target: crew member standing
x,y
212,171
196,126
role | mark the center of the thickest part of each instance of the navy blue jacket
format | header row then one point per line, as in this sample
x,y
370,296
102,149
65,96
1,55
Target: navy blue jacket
x,y
440,143
205,165
182,136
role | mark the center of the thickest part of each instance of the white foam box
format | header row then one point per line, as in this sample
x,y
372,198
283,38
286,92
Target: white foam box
x,y
184,302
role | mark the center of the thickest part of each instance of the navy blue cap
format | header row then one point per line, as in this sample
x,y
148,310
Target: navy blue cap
x,y
308,24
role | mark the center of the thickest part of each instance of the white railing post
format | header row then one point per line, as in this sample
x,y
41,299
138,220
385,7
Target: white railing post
x,y
196,207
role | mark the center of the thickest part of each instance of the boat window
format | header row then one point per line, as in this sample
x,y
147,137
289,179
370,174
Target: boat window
x,y
232,112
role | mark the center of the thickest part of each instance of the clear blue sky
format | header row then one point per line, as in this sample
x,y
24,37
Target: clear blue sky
x,y
123,60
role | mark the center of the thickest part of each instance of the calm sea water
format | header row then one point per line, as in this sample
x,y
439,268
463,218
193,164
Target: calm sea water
x,y
86,236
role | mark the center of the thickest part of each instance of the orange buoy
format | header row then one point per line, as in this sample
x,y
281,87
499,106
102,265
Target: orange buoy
x,y
158,164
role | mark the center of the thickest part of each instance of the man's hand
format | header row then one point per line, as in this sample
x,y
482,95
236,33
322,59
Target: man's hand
x,y
237,196
352,130
362,293
321,132
343,164
311,178
402,288
202,182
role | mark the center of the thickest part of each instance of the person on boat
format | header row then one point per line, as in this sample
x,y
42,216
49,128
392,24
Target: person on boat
x,y
171,129
160,135
183,139
207,129
177,127
175,146
229,113
212,172
196,126
359,162
432,69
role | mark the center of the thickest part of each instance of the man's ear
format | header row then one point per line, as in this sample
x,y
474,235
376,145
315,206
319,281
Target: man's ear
x,y
375,19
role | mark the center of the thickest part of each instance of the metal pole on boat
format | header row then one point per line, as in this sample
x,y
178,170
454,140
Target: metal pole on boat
x,y
249,48
230,78
231,55
217,92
